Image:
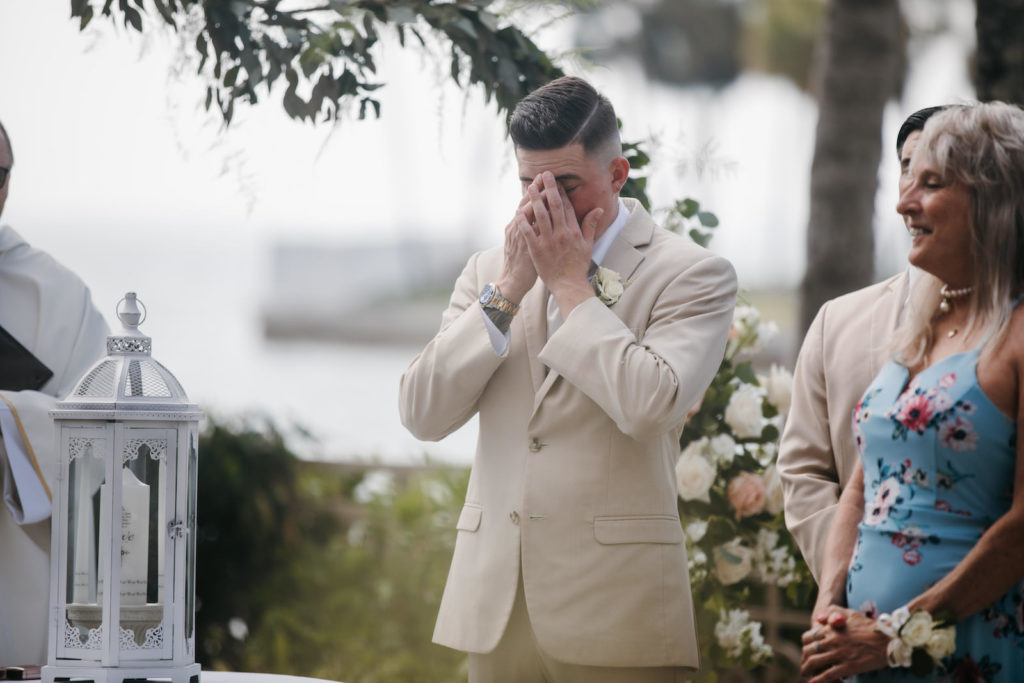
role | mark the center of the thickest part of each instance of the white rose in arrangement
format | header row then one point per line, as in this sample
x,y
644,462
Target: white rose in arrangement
x,y
608,286
900,652
917,629
942,642
733,562
743,414
779,387
694,477
695,530
773,490
724,449
699,447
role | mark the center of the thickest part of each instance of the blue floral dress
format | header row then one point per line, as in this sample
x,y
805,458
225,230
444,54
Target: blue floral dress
x,y
939,460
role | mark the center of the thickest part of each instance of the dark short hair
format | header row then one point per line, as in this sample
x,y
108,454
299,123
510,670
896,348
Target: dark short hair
x,y
915,122
7,142
565,111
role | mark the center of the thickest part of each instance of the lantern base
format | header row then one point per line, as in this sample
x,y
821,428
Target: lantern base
x,y
100,674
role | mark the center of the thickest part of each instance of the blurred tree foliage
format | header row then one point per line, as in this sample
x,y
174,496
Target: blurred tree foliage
x,y
708,42
324,49
779,37
296,576
361,608
999,65
325,52
253,519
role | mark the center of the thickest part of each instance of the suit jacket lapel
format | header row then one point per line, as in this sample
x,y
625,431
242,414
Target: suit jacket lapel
x,y
623,257
626,254
885,318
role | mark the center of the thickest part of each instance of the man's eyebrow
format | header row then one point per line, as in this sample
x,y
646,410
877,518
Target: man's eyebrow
x,y
558,178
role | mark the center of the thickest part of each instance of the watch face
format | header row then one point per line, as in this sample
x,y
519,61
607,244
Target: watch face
x,y
487,294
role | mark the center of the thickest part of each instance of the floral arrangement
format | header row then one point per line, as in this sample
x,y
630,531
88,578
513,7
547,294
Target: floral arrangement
x,y
730,501
916,641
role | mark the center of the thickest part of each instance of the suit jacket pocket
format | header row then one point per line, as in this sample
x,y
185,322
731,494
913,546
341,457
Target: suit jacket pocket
x,y
469,519
638,529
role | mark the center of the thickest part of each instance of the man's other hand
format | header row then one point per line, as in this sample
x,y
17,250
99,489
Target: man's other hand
x,y
559,246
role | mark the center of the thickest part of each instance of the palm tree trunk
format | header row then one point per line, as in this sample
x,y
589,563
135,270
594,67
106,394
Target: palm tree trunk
x,y
861,61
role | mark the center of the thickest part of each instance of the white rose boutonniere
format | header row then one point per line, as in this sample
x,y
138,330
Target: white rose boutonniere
x,y
608,285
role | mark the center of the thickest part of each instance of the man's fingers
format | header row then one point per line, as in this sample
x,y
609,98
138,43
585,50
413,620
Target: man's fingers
x,y
589,227
553,194
541,215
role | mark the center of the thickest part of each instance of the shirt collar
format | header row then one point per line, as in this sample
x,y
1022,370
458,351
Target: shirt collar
x,y
604,242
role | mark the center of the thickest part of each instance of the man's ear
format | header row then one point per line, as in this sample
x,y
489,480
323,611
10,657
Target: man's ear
x,y
620,172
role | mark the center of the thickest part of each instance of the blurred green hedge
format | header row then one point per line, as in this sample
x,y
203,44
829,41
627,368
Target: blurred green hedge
x,y
296,576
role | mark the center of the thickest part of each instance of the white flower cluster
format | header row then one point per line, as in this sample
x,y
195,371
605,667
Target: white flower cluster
x,y
909,631
740,637
774,561
749,333
770,561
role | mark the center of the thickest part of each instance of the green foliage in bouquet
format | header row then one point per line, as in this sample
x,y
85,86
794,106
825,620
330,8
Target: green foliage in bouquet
x,y
730,502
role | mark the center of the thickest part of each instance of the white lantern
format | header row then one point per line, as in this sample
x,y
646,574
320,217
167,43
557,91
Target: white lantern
x,y
122,578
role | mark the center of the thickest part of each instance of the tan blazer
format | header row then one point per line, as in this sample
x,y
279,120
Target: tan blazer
x,y
573,478
844,349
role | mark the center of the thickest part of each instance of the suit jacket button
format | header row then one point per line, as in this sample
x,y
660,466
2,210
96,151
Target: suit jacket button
x,y
535,445
514,516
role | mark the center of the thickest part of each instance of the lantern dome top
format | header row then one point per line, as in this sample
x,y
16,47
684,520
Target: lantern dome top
x,y
128,378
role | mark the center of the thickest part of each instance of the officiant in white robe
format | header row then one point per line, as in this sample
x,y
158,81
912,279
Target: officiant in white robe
x,y
47,309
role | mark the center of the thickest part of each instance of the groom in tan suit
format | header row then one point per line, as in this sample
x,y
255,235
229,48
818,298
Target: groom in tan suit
x,y
569,562
845,347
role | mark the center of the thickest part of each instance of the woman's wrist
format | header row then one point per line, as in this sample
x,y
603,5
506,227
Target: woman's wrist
x,y
916,640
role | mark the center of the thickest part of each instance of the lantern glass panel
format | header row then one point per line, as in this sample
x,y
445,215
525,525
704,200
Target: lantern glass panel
x,y
143,536
88,495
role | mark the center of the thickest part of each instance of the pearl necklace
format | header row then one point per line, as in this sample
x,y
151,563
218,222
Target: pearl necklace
x,y
949,294
946,305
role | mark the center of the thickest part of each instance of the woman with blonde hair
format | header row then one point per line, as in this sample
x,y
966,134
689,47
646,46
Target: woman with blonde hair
x,y
922,569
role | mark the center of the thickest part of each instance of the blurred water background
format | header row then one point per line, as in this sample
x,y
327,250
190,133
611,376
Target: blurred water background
x,y
293,271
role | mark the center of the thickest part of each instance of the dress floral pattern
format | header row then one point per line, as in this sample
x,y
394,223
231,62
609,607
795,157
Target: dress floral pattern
x,y
939,458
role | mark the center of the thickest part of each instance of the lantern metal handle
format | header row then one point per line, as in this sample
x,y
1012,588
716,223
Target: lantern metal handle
x,y
176,529
133,299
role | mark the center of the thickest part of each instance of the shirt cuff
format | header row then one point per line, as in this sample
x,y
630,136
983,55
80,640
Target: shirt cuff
x,y
499,339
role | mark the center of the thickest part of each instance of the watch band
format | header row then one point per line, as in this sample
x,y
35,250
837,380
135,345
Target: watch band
x,y
491,297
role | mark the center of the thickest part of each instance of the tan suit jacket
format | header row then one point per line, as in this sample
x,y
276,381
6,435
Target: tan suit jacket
x,y
573,479
845,347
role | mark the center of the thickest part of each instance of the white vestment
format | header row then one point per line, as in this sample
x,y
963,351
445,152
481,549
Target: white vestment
x,y
48,309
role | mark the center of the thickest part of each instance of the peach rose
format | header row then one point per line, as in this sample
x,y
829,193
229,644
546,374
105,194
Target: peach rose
x,y
746,494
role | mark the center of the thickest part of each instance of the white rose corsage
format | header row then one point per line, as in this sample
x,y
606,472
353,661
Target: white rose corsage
x,y
916,640
608,285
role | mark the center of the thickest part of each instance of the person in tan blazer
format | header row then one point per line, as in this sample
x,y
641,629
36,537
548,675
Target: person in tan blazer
x,y
845,347
569,563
